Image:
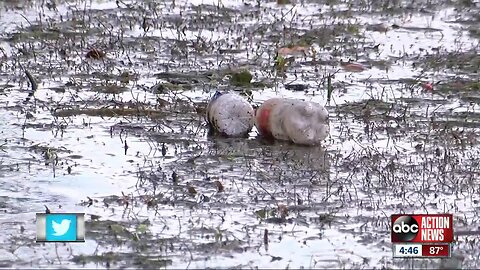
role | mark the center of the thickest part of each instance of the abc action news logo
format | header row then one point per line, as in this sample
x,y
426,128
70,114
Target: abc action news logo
x,y
437,228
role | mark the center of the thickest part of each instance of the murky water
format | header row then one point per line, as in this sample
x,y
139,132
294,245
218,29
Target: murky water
x,y
123,138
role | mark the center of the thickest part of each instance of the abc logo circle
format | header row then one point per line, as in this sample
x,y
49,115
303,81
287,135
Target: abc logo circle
x,y
405,228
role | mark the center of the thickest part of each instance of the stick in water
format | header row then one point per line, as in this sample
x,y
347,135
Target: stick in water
x,y
32,81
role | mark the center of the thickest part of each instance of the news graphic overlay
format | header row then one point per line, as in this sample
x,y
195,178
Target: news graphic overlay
x,y
422,236
61,227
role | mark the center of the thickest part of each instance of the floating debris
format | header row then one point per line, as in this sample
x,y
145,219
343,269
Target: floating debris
x,y
353,67
298,121
191,189
219,186
241,78
296,86
294,50
230,114
95,54
427,86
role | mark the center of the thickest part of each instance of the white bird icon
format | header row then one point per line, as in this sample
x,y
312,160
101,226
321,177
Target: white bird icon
x,y
62,228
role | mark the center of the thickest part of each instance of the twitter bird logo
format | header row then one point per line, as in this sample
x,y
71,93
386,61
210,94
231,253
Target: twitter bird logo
x,y
61,227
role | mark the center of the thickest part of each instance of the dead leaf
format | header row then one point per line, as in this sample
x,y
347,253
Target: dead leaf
x,y
219,186
95,54
295,50
191,190
353,67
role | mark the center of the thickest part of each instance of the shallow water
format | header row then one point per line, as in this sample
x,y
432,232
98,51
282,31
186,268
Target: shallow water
x,y
395,147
